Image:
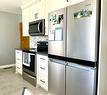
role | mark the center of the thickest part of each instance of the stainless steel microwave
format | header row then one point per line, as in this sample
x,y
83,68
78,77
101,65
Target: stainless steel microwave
x,y
37,28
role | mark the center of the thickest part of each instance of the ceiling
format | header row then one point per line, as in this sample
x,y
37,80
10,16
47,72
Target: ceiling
x,y
13,6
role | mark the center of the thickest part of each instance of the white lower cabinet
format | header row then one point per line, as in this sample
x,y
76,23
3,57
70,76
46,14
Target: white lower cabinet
x,y
42,71
18,54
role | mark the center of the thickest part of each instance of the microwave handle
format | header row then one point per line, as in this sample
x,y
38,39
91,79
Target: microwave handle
x,y
39,26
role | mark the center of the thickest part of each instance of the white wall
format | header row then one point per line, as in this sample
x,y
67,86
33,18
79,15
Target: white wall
x,y
103,52
9,37
19,18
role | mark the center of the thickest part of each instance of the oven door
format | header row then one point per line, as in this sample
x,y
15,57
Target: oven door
x,y
29,63
26,59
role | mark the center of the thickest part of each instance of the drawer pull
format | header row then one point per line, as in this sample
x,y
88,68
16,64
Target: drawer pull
x,y
18,67
42,81
18,59
42,68
42,58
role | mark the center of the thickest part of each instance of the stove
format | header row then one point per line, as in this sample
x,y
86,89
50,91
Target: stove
x,y
29,61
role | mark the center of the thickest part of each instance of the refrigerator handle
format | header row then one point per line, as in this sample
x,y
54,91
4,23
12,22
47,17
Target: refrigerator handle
x,y
87,68
57,61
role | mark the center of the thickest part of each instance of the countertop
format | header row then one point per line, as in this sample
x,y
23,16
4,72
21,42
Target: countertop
x,y
29,50
21,49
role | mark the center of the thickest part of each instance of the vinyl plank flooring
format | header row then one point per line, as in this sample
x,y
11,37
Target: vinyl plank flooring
x,y
12,84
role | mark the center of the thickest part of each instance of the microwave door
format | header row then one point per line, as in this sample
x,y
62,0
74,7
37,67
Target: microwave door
x,y
33,28
37,28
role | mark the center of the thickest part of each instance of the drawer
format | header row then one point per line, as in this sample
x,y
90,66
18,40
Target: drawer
x,y
18,60
43,81
42,58
19,70
19,65
43,69
19,54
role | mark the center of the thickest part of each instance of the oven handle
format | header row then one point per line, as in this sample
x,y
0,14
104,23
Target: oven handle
x,y
29,58
30,76
30,55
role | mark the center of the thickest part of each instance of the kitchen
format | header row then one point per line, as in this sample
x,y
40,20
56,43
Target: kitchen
x,y
97,70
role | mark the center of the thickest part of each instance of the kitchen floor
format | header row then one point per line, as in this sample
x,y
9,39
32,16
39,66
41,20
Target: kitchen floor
x,y
12,84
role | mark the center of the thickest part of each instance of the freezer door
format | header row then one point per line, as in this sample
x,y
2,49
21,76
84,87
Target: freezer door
x,y
57,32
80,80
56,79
82,32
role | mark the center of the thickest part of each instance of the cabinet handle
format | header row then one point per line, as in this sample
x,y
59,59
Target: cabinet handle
x,y
42,81
42,58
42,68
18,59
67,0
18,67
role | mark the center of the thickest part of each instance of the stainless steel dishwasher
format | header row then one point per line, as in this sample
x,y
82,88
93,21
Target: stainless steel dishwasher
x,y
80,80
56,78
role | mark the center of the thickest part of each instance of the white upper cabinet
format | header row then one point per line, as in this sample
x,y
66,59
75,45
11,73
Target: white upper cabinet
x,y
31,13
40,10
72,2
57,4
25,19
46,16
37,11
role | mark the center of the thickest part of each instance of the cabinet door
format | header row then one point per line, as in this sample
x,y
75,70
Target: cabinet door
x,y
41,9
25,19
57,4
43,81
37,11
34,12
72,2
46,16
80,80
19,54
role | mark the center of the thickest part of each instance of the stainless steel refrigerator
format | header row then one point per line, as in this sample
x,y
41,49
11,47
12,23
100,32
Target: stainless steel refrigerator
x,y
74,40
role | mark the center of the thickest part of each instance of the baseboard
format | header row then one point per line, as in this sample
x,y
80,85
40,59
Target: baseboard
x,y
6,66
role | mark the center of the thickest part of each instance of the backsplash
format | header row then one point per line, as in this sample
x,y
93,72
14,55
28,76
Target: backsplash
x,y
34,39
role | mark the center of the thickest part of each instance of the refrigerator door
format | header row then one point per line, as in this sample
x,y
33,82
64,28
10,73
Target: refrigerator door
x,y
56,79
82,32
57,32
80,80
